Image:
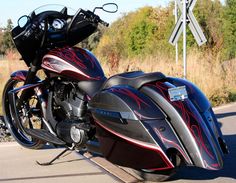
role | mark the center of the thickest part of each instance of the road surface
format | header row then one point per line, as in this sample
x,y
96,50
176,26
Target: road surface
x,y
18,164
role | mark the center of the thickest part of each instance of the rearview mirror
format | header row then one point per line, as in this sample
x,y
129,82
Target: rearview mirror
x,y
110,7
22,21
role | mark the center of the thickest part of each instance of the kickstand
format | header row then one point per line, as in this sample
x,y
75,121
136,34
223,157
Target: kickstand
x,y
57,157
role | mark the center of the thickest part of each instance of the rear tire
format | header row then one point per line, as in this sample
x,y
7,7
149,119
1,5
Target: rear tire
x,y
20,136
160,176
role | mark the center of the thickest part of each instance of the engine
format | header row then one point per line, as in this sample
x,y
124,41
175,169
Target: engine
x,y
69,110
70,100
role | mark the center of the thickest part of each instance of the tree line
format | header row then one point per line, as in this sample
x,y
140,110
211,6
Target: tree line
x,y
146,32
6,42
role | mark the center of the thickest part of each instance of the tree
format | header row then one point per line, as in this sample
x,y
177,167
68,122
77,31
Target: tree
x,y
92,41
138,33
7,42
230,30
146,32
1,37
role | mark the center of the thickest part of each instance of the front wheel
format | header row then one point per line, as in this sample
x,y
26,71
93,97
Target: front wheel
x,y
29,115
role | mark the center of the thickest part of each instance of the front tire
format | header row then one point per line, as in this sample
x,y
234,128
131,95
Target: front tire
x,y
21,137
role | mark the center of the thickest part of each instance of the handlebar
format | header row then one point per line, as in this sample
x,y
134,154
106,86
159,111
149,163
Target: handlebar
x,y
93,17
34,29
104,23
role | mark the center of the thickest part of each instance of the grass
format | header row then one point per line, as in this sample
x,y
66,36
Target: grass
x,y
6,68
233,95
216,80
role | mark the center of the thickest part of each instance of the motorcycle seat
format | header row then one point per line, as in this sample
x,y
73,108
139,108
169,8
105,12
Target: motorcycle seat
x,y
134,79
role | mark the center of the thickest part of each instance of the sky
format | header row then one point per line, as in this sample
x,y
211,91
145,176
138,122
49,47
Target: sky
x,y
14,9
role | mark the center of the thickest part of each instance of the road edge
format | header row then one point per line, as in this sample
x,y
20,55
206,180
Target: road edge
x,y
224,106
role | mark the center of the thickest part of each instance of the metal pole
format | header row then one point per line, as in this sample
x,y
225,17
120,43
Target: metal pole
x,y
176,46
184,37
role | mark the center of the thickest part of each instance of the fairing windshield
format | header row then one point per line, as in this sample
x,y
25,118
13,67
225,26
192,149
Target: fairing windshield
x,y
53,7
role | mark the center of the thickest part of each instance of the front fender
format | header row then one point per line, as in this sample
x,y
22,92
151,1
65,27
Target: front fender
x,y
21,75
190,126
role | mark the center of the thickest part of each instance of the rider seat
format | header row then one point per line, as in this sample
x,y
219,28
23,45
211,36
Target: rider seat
x,y
134,79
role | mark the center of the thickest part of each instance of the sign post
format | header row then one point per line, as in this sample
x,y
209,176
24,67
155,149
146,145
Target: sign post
x,y
185,38
176,45
187,18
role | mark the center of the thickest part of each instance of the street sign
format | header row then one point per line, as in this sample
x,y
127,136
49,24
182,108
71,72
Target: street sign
x,y
191,21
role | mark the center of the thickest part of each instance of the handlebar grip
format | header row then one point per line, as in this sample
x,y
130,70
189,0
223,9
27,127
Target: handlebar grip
x,y
94,17
104,23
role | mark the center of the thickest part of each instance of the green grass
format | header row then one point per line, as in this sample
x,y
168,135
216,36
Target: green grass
x,y
233,95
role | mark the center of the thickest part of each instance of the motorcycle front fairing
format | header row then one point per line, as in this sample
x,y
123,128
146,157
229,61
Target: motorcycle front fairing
x,y
142,128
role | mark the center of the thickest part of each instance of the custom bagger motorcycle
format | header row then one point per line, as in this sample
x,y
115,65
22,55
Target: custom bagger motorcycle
x,y
148,122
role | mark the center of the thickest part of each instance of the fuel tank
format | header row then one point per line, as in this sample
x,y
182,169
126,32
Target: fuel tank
x,y
72,62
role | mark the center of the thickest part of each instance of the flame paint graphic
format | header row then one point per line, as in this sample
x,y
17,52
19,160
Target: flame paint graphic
x,y
130,94
190,119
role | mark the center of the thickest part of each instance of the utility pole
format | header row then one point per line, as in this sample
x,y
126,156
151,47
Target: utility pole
x,y
185,37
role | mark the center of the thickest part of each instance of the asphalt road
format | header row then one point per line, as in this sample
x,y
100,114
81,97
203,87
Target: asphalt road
x,y
18,164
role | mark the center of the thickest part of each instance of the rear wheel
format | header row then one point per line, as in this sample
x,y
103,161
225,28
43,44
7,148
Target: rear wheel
x,y
163,175
29,116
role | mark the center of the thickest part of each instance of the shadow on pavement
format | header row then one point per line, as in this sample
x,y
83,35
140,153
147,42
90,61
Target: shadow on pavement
x,y
224,115
50,176
192,173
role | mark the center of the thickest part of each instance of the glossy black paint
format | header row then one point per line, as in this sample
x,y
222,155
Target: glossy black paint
x,y
129,152
195,94
202,104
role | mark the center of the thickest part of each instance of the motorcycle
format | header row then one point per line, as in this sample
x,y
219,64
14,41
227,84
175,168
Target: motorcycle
x,y
148,122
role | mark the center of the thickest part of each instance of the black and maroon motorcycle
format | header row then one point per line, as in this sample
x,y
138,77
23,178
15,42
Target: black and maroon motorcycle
x,y
145,121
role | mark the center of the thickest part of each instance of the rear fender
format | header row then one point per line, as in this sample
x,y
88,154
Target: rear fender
x,y
203,106
197,138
